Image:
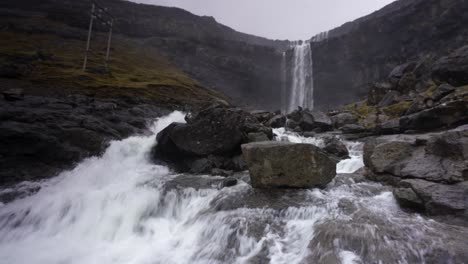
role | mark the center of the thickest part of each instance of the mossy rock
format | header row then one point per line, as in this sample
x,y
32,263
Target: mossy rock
x,y
398,109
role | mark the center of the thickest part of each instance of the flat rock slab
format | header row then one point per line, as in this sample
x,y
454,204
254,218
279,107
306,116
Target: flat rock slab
x,y
288,165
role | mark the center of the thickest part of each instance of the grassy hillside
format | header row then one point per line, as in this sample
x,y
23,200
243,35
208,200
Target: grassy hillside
x,y
50,55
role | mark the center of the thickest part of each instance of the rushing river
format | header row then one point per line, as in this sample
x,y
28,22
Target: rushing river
x,y
120,208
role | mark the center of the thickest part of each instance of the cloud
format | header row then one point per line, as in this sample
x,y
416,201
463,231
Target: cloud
x,y
279,19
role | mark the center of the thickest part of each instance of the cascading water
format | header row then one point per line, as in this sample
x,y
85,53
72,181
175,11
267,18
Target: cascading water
x,y
120,208
301,92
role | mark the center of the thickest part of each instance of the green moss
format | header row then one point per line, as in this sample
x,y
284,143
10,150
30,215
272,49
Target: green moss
x,y
431,87
132,65
398,109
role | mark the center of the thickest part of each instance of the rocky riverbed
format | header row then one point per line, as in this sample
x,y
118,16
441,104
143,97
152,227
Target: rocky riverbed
x,y
122,204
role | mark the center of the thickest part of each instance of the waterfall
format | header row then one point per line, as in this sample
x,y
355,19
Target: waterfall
x,y
302,82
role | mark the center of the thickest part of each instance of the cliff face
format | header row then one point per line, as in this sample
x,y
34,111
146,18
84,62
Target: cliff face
x,y
246,68
367,49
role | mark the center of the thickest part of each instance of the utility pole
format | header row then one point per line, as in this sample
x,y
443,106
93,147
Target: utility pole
x,y
93,7
109,43
99,13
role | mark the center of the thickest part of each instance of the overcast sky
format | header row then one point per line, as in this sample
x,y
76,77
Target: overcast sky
x,y
279,19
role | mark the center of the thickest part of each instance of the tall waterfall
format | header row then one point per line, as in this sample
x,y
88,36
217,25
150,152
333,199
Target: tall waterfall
x,y
302,82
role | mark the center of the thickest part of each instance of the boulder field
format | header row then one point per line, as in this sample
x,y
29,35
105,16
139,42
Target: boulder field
x,y
215,140
429,171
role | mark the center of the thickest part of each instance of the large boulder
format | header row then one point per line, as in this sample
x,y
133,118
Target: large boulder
x,y
277,121
430,171
343,119
433,198
452,69
288,165
336,148
306,120
445,115
210,139
377,91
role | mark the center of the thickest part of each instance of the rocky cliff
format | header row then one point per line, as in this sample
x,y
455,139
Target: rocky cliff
x,y
366,50
243,67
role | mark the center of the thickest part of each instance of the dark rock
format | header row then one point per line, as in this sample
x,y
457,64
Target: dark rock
x,y
211,139
418,105
386,157
390,98
442,91
262,116
219,172
452,69
291,124
377,92
288,165
400,71
277,121
336,148
352,129
389,127
437,199
343,119
309,134
229,182
449,114
407,198
430,171
257,137
13,95
407,83
315,121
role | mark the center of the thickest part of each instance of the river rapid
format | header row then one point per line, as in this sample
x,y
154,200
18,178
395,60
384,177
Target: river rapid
x,y
120,208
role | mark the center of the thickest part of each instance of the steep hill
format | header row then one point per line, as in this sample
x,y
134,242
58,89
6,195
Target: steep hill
x,y
366,50
242,66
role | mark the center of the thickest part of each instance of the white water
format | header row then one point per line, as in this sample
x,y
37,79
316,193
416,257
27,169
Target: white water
x,y
118,208
302,83
345,166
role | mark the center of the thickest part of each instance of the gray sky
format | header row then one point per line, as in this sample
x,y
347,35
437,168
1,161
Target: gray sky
x,y
278,19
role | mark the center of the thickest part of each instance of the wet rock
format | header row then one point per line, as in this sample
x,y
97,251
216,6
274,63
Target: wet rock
x,y
386,157
343,119
390,98
442,91
399,72
430,171
309,120
211,139
288,165
445,115
352,129
13,95
389,127
407,82
437,199
277,121
257,137
220,172
42,135
452,69
377,92
262,116
315,121
291,124
336,148
229,182
406,197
